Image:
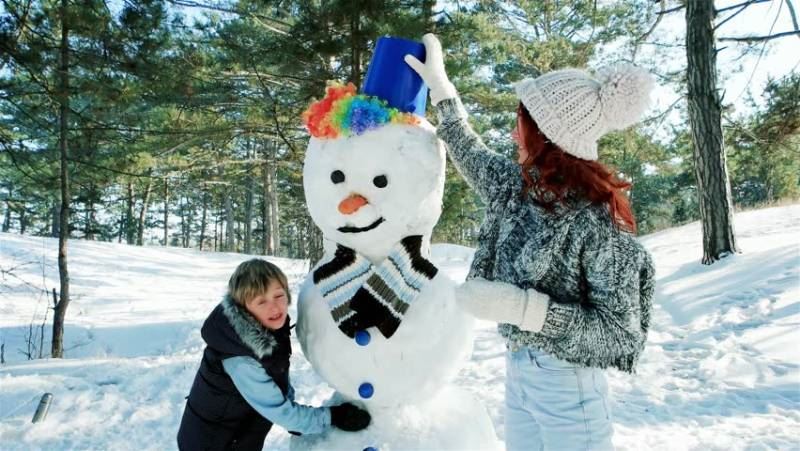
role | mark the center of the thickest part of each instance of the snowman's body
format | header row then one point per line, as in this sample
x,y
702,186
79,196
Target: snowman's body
x,y
409,367
407,373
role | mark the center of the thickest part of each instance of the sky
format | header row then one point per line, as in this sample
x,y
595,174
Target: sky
x,y
738,75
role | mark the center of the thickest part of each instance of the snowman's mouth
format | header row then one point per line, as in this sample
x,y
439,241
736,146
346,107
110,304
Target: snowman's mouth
x,y
352,229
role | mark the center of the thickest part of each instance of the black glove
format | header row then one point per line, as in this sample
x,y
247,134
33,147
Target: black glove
x,y
348,417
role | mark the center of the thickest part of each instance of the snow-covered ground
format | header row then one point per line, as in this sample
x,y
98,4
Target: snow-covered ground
x,y
721,370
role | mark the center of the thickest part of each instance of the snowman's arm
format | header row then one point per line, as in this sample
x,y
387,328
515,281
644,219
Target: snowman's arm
x,y
264,395
493,176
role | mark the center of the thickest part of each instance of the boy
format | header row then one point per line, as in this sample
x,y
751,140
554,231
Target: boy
x,y
242,386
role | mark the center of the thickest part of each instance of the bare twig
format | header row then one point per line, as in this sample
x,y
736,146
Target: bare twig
x,y
761,38
661,117
672,10
641,39
792,13
743,4
760,54
743,7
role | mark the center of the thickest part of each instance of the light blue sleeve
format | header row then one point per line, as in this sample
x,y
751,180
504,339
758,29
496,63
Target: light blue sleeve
x,y
264,395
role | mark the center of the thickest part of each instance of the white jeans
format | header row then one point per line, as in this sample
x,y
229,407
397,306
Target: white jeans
x,y
554,405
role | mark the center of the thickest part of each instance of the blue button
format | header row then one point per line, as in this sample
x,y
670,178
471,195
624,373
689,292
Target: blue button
x,y
366,390
363,338
370,448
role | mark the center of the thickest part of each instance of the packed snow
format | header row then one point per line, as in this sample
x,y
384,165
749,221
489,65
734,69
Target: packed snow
x,y
721,370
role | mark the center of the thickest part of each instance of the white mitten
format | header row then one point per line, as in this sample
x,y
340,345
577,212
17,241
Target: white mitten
x,y
503,303
432,70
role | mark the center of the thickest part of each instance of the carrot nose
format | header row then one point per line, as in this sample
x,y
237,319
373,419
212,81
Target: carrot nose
x,y
352,203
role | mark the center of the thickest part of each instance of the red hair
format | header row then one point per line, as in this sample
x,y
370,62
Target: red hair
x,y
560,174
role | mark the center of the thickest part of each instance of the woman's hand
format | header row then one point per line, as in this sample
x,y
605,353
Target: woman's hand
x,y
432,70
503,303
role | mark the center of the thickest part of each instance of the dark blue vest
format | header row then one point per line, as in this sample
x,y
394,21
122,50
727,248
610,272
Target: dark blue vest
x,y
216,416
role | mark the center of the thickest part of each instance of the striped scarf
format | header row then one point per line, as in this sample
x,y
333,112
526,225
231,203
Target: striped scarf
x,y
361,295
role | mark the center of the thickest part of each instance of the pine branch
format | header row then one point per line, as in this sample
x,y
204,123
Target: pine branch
x,y
278,128
10,152
258,17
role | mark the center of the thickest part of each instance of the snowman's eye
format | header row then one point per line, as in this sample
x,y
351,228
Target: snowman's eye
x,y
380,181
337,176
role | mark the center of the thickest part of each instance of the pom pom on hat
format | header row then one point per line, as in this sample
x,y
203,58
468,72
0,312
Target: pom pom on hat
x,y
625,94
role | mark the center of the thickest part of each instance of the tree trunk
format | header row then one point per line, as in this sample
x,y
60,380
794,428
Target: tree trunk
x,y
274,214
60,309
166,212
228,205
428,13
55,219
88,229
203,218
189,221
7,216
23,220
182,211
129,228
143,211
121,229
314,248
268,244
272,219
355,50
237,236
248,204
217,231
705,117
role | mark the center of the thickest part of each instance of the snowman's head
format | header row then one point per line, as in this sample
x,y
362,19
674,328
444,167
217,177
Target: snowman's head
x,y
372,173
368,190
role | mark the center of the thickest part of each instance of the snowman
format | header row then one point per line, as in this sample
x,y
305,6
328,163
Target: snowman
x,y
376,318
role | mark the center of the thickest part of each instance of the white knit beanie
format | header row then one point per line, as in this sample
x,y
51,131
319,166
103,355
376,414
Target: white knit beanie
x,y
574,109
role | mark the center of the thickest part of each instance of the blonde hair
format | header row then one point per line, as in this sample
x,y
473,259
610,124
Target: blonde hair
x,y
252,278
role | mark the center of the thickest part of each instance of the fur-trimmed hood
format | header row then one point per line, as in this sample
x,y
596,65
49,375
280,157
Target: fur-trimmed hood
x,y
243,335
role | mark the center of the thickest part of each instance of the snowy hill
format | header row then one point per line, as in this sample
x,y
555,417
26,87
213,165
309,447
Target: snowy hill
x,y
721,370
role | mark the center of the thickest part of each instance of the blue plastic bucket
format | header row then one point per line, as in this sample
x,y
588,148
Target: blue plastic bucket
x,y
391,79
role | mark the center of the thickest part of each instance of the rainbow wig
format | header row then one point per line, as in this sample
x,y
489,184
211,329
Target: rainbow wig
x,y
342,112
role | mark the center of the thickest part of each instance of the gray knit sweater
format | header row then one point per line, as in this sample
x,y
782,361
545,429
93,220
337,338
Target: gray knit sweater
x,y
600,279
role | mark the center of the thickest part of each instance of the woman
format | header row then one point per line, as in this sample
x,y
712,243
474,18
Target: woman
x,y
556,263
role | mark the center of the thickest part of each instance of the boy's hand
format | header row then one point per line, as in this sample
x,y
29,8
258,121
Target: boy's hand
x,y
348,417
